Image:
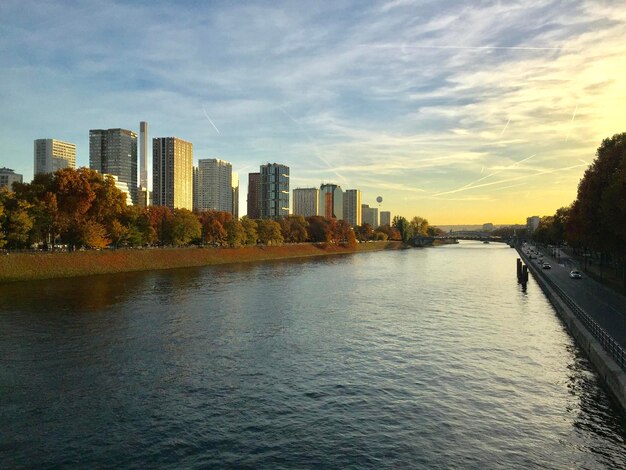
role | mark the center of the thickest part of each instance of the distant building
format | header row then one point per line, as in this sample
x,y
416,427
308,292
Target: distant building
x,y
370,215
305,201
235,190
331,201
213,185
532,223
488,227
172,173
8,177
253,201
114,152
385,218
274,190
122,186
51,155
352,207
143,194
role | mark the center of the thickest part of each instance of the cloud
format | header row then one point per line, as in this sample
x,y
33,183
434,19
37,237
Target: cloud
x,y
393,96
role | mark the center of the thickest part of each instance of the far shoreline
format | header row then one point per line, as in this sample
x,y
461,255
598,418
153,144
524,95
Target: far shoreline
x,y
17,267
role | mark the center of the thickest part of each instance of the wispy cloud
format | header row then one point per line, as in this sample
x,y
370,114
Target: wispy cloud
x,y
423,100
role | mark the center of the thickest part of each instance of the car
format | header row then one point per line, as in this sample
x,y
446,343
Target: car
x,y
546,266
574,274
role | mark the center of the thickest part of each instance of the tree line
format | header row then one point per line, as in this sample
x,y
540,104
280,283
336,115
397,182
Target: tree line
x,y
76,208
596,220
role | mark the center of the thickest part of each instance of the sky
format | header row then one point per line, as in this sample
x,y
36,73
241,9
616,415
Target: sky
x,y
463,112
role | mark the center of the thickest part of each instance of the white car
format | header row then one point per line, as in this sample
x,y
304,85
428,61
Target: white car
x,y
575,274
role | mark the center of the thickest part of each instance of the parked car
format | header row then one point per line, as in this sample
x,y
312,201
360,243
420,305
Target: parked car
x,y
575,274
546,266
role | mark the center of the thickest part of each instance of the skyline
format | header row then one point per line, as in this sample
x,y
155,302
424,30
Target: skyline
x,y
457,113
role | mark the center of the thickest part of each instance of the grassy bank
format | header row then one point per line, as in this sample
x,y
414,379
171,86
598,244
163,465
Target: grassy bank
x,y
32,266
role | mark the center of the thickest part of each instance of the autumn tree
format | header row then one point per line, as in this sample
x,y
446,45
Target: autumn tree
x,y
250,229
269,232
294,228
404,227
320,229
392,233
364,232
235,233
419,226
213,230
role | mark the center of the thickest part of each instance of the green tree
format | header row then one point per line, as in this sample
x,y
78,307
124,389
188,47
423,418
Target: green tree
x,y
3,195
250,229
184,227
404,227
269,232
236,234
18,222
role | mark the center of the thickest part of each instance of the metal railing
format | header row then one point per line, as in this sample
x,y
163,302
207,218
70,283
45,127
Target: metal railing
x,y
607,342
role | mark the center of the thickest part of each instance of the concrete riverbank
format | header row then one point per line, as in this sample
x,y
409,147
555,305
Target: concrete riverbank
x,y
34,266
602,357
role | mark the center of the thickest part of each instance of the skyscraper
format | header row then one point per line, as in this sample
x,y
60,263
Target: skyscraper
x,y
352,207
385,218
172,180
114,152
331,201
274,190
235,189
143,194
8,177
305,201
369,215
254,196
213,185
52,155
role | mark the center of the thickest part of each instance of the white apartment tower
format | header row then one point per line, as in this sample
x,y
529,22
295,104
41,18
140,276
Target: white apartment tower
x,y
214,185
51,155
305,201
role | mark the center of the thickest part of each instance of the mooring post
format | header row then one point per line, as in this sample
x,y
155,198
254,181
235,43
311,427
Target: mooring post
x,y
525,274
519,270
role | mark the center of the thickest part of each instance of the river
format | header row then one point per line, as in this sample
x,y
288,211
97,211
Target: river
x,y
423,358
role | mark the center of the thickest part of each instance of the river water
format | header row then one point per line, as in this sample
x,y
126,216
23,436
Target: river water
x,y
424,358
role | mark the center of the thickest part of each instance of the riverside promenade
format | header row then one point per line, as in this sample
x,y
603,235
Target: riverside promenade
x,y
594,314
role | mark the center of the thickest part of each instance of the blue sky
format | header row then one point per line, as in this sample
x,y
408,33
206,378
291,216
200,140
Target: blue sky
x,y
461,112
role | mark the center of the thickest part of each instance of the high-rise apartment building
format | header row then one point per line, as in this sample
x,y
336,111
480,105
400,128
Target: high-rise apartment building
x,y
532,223
143,194
172,173
305,201
385,218
369,215
52,155
274,190
114,152
331,201
352,207
213,185
235,189
8,177
254,196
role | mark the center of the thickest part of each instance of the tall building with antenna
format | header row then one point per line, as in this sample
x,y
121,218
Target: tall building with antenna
x,y
143,194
